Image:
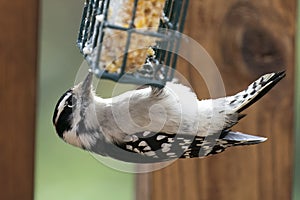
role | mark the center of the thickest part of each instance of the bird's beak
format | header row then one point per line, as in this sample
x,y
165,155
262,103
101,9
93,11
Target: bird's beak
x,y
87,83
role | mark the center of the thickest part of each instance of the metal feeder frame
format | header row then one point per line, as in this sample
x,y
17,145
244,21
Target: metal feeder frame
x,y
92,33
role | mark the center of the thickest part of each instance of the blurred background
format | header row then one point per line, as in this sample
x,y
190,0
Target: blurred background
x,y
61,171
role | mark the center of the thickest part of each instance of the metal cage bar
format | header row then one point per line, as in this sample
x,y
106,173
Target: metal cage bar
x,y
92,32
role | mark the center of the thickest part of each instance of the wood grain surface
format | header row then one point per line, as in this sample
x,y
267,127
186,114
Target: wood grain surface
x,y
18,79
245,39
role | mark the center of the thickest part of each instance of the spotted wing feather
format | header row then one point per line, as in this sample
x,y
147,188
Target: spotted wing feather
x,y
147,146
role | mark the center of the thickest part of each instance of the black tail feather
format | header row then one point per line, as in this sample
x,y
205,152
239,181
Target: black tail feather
x,y
271,83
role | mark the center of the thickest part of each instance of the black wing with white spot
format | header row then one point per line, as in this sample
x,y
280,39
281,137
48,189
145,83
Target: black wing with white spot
x,y
148,147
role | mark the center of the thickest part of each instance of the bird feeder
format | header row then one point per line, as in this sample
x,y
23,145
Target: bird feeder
x,y
132,41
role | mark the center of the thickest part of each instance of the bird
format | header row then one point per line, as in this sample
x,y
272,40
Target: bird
x,y
156,124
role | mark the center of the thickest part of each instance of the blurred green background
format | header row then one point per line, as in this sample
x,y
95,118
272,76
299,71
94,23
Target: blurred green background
x,y
64,172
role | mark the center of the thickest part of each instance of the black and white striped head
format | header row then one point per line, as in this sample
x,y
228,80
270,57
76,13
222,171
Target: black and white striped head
x,y
70,110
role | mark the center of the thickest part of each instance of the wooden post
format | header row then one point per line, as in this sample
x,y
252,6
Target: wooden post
x,y
18,75
246,39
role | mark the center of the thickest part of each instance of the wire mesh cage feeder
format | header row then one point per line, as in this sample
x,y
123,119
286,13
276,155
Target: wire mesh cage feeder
x,y
132,41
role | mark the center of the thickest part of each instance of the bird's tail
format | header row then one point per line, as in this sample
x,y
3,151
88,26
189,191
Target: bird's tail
x,y
237,138
255,91
231,138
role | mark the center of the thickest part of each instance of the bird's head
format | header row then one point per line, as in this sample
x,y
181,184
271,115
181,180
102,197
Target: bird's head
x,y
71,109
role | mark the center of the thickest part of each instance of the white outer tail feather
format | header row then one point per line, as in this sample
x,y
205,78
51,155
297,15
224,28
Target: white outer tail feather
x,y
257,89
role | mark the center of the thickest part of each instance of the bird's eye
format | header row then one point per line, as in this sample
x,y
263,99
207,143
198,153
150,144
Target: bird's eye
x,y
71,102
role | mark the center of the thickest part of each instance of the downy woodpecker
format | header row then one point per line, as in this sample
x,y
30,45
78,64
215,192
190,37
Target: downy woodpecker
x,y
155,125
